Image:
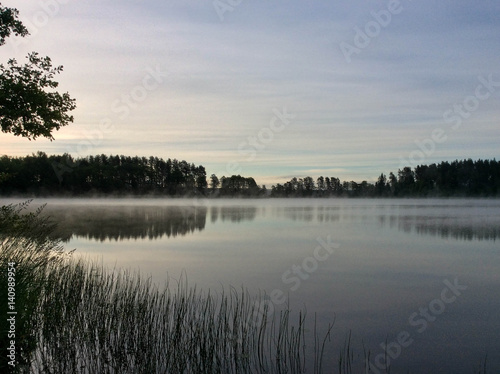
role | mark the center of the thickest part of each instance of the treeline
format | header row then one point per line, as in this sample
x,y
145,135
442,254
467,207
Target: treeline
x,y
40,174
63,175
465,178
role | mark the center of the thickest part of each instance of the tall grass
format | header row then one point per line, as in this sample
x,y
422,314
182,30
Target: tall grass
x,y
78,317
96,320
75,316
24,241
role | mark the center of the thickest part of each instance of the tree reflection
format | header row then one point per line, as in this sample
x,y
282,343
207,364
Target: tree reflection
x,y
450,228
139,222
462,227
154,222
127,222
237,213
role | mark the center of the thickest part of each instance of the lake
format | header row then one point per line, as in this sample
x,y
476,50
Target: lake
x,y
417,276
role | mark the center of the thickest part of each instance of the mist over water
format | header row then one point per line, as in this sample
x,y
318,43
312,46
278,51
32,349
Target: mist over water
x,y
141,219
391,264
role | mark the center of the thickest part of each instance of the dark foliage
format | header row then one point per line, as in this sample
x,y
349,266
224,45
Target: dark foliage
x,y
465,178
40,174
10,24
29,105
236,185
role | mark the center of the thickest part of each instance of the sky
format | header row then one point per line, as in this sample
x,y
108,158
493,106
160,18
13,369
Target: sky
x,y
271,89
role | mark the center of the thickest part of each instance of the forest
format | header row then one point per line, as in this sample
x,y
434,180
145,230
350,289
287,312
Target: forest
x,y
465,178
102,175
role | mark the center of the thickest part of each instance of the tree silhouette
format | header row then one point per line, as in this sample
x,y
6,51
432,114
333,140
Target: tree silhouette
x,y
29,105
9,24
214,182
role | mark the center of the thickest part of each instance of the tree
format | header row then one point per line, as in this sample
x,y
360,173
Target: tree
x,y
320,182
380,185
336,186
214,182
308,186
29,106
10,24
328,185
201,178
393,182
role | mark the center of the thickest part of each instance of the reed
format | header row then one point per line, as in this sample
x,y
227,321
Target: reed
x,y
80,317
76,316
114,321
25,241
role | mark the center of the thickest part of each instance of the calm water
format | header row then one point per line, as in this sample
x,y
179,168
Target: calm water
x,y
419,275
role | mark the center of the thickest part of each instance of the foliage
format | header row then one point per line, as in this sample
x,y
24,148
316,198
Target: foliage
x,y
29,106
236,185
101,174
9,24
40,174
465,178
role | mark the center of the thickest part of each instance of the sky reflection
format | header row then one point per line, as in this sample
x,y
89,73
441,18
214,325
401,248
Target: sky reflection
x,y
121,222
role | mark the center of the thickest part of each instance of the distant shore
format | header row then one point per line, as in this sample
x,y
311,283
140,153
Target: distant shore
x,y
40,175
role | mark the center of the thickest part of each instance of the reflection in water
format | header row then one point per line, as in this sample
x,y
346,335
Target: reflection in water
x,y
372,282
153,222
127,222
449,228
236,213
304,213
139,222
425,220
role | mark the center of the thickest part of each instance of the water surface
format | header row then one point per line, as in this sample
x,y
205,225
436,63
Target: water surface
x,y
381,269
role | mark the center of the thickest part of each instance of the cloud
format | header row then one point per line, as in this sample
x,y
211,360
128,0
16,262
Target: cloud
x,y
225,79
